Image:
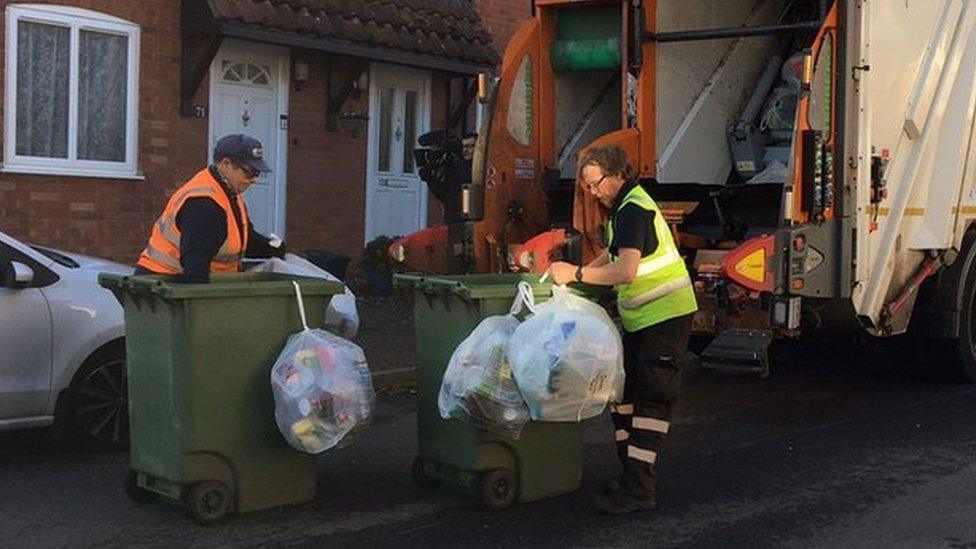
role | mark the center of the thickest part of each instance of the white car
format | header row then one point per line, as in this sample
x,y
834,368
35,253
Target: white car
x,y
63,352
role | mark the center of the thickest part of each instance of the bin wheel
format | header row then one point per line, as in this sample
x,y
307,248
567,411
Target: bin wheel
x,y
135,492
420,478
208,502
498,489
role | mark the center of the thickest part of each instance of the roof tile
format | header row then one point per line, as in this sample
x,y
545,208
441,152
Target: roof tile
x,y
446,28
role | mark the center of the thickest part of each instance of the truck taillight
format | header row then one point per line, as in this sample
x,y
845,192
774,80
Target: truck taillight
x,y
750,264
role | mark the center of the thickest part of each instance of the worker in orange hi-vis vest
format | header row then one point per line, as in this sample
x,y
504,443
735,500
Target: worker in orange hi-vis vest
x,y
205,227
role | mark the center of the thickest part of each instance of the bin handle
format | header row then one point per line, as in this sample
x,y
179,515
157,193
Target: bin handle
x,y
524,297
301,305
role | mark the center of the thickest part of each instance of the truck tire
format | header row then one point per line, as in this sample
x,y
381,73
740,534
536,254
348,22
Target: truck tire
x,y
963,368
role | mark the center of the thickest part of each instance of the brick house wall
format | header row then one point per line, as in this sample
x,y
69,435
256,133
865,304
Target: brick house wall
x,y
503,18
326,170
326,197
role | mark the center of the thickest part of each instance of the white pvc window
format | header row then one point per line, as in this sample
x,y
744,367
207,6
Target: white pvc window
x,y
72,89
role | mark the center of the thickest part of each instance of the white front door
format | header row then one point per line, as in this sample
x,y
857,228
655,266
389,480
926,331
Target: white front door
x,y
399,107
249,95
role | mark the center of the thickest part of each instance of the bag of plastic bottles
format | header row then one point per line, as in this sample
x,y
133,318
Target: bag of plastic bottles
x,y
478,385
341,317
322,389
567,359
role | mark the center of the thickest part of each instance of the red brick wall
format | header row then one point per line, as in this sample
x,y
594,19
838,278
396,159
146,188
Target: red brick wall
x,y
503,18
111,217
326,170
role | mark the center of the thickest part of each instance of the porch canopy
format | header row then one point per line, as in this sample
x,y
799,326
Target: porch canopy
x,y
446,35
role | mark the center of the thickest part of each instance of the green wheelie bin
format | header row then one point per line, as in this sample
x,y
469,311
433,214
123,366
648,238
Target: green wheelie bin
x,y
545,461
201,408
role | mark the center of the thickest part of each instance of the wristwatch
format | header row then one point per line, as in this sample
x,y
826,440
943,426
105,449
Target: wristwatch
x,y
579,274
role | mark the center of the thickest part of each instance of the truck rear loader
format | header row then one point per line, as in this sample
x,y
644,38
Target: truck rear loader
x,y
815,160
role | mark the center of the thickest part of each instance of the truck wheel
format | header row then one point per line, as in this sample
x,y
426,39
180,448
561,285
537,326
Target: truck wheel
x,y
208,502
135,492
421,480
963,369
498,489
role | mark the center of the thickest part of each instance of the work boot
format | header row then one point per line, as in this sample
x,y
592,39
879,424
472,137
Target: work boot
x,y
617,502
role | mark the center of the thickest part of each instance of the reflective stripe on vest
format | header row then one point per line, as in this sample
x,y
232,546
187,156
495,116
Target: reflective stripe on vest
x,y
162,253
654,293
661,288
654,264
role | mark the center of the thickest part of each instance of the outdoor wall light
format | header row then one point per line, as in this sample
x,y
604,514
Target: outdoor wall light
x,y
360,84
300,74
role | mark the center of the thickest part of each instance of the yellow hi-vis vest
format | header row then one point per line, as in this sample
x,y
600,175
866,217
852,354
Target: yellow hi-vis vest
x,y
662,289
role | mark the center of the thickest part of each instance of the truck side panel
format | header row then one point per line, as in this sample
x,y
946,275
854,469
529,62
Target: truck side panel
x,y
914,79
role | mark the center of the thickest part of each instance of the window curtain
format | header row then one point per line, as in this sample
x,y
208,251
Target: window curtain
x,y
42,90
102,92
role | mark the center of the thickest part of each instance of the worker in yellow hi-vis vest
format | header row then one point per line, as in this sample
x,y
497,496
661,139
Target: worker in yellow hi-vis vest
x,y
656,302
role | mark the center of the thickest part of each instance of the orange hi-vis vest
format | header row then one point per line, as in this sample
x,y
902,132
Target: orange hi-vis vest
x,y
162,254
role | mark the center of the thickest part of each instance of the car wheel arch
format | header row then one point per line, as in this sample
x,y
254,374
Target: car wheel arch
x,y
69,376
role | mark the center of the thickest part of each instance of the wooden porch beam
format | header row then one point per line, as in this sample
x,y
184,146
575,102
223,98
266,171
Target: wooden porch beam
x,y
196,55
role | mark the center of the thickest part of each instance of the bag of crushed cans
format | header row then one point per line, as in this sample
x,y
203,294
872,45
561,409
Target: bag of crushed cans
x,y
478,386
322,390
567,359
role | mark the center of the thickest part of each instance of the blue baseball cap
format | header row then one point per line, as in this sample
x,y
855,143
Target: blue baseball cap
x,y
243,149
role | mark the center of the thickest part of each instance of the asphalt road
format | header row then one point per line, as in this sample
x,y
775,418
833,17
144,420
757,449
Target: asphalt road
x,y
831,451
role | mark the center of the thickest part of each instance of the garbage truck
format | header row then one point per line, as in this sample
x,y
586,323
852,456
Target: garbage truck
x,y
814,159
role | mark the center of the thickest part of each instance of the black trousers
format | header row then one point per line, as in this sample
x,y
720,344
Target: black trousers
x,y
653,358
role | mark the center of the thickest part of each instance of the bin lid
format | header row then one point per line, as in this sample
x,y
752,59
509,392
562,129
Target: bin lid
x,y
221,285
474,286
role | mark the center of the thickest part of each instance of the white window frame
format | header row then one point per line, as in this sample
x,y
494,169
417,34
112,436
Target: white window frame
x,y
77,20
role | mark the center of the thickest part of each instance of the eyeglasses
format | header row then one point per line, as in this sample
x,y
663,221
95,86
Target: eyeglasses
x,y
593,186
250,172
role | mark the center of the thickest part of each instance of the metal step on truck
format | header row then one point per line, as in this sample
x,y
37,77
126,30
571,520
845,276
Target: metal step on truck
x,y
814,159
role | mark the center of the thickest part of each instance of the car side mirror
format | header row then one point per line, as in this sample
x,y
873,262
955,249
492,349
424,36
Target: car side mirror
x,y
15,274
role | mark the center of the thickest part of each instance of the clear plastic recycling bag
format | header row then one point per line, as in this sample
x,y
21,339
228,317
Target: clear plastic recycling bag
x,y
322,389
341,317
567,359
478,386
